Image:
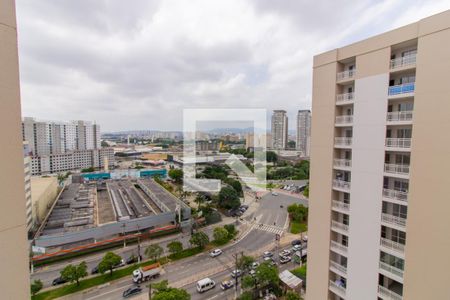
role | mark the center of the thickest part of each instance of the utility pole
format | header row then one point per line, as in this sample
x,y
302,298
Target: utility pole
x,y
123,234
139,245
150,291
236,278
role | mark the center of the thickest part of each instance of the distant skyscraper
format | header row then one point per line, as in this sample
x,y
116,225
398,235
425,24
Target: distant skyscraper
x,y
279,129
303,131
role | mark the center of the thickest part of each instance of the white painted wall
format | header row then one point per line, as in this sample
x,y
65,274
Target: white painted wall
x,y
369,126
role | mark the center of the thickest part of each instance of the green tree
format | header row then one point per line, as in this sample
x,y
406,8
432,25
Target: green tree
x,y
36,286
175,247
228,198
199,239
246,296
271,156
220,234
231,229
176,175
153,251
298,212
290,295
73,273
245,262
235,184
306,191
267,274
164,292
109,262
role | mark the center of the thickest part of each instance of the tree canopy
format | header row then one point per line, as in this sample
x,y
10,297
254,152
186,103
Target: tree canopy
x,y
36,286
176,175
175,247
153,251
199,239
164,292
298,212
220,234
73,273
109,262
228,198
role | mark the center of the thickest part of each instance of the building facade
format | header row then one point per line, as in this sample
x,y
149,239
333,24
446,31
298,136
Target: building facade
x,y
14,250
378,215
279,129
303,131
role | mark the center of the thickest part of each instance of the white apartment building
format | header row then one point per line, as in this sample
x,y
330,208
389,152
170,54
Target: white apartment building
x,y
28,202
303,131
378,211
279,130
74,160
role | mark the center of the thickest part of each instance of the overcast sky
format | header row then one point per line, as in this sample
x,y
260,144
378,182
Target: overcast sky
x,y
137,64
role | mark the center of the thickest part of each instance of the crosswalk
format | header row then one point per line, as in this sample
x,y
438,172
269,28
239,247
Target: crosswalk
x,y
265,227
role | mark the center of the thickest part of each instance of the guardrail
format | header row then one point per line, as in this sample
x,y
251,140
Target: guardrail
x,y
396,195
395,220
405,61
342,163
391,269
399,116
388,294
340,205
387,243
343,98
396,169
337,289
398,142
341,184
338,246
341,226
345,119
338,266
402,89
348,74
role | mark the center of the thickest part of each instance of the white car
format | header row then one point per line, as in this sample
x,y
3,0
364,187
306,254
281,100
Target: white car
x,y
274,194
215,252
286,252
255,265
267,254
296,248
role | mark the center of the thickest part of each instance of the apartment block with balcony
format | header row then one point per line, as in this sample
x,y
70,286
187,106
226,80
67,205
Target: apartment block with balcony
x,y
380,167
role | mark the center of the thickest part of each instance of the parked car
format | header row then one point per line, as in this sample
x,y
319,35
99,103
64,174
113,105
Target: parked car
x,y
286,252
305,238
236,273
252,273
58,281
226,284
274,194
296,242
133,259
215,252
205,285
254,265
267,254
94,270
284,259
296,248
134,290
243,207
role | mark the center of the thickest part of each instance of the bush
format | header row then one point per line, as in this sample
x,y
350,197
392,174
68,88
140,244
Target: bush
x,y
297,227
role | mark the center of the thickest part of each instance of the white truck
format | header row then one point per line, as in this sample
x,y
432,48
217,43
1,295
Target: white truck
x,y
146,273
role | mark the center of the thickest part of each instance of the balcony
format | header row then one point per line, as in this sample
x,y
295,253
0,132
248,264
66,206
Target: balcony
x,y
345,75
402,90
403,62
338,268
341,185
342,163
397,274
339,248
340,206
396,195
387,294
393,247
398,143
345,142
344,120
342,99
398,222
339,227
397,169
337,289
399,117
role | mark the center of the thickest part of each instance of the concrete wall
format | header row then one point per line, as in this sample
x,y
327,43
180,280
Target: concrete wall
x,y
14,283
43,193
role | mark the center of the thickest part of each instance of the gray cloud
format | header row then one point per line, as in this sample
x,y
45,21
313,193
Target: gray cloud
x,y
137,64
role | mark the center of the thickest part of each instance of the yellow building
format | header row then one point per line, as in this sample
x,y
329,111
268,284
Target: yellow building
x,y
43,193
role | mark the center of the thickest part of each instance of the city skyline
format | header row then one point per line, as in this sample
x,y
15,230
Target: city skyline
x,y
262,58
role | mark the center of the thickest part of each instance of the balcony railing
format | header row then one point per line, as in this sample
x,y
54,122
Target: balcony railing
x,y
396,195
339,226
344,98
337,289
402,89
396,169
399,116
349,74
340,205
346,163
398,142
391,269
338,267
341,184
409,60
387,294
395,246
339,247
394,220
342,141
348,119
